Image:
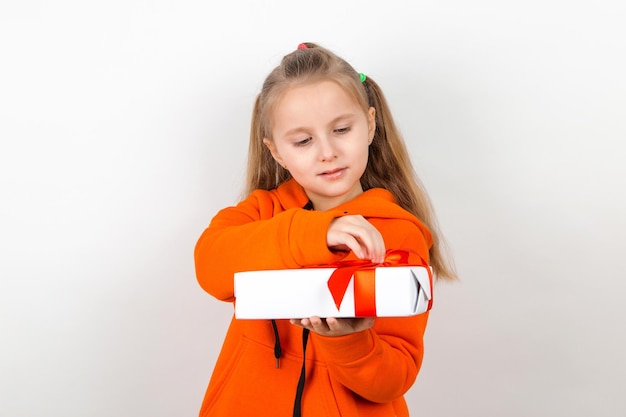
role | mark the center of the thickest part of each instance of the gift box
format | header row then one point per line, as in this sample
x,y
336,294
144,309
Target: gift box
x,y
345,291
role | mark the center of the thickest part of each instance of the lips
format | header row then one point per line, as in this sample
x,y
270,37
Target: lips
x,y
333,173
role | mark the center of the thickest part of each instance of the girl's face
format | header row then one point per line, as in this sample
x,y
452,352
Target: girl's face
x,y
322,136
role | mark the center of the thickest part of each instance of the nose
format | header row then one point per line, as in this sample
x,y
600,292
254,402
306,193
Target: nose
x,y
327,149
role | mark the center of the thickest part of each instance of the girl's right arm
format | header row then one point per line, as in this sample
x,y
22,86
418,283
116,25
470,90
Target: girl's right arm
x,y
258,235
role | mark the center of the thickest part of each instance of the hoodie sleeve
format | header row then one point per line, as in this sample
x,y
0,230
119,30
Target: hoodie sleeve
x,y
256,235
382,363
379,364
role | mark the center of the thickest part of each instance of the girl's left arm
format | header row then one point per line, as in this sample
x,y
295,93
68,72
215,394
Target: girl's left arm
x,y
381,363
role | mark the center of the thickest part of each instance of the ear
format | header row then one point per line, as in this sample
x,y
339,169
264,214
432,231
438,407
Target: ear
x,y
270,145
371,123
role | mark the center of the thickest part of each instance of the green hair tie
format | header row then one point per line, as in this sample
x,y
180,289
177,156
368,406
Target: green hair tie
x,y
362,77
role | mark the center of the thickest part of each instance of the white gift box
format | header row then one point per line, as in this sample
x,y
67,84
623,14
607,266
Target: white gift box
x,y
298,293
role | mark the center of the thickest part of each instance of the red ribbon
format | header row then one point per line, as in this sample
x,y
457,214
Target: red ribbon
x,y
364,281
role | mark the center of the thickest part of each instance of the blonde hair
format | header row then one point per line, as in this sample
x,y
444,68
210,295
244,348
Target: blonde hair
x,y
388,166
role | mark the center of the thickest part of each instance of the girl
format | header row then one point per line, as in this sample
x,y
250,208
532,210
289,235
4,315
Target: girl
x,y
329,179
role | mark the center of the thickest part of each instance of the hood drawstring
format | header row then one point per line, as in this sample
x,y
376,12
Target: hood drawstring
x,y
278,352
297,404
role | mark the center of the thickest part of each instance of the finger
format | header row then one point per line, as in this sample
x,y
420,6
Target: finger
x,y
375,245
296,322
364,324
300,322
335,325
372,245
378,254
345,326
369,238
357,234
361,241
348,325
318,325
356,246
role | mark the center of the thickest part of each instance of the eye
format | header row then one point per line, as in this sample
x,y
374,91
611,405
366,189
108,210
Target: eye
x,y
342,130
302,142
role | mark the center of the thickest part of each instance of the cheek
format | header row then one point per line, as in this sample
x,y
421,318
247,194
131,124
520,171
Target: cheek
x,y
366,148
365,156
294,159
360,158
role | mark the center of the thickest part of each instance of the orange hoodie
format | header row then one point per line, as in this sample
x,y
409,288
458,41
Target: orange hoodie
x,y
360,374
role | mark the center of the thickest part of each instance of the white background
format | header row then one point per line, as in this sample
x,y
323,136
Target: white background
x,y
124,128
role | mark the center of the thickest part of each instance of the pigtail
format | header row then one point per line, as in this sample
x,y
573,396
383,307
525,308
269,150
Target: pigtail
x,y
390,167
255,169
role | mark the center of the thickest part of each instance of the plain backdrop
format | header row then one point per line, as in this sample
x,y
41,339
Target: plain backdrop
x,y
124,128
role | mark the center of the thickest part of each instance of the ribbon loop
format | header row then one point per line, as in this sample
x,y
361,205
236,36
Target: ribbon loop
x,y
363,272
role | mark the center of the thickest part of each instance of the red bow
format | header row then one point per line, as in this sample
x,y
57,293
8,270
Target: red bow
x,y
364,273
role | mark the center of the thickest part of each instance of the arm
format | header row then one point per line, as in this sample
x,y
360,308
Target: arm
x,y
257,235
381,363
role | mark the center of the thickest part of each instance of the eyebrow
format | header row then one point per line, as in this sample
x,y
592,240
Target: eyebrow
x,y
332,122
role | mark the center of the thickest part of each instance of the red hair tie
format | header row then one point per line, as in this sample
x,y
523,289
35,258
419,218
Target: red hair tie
x,y
303,46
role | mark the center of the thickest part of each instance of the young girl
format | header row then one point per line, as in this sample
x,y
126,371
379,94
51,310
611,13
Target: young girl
x,y
329,179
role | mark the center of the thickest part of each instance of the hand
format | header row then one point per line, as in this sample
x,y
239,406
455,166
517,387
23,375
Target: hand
x,y
334,327
355,233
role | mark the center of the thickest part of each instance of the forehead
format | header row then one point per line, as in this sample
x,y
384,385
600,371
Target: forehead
x,y
313,101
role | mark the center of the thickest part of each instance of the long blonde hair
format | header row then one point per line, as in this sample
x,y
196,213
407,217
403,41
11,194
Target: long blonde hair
x,y
388,166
